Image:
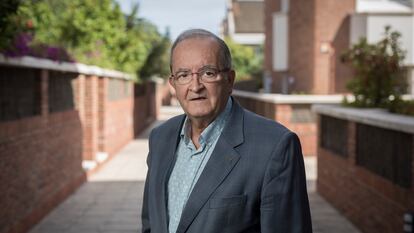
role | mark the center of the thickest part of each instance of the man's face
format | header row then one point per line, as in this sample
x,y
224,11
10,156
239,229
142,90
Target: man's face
x,y
201,100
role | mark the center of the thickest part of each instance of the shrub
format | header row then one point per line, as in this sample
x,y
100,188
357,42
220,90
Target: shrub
x,y
379,75
246,62
9,23
94,32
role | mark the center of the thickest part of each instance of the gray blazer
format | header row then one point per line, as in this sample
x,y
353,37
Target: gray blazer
x,y
253,182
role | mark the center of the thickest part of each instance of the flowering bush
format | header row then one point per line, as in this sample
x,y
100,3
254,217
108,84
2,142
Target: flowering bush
x,y
93,32
19,46
23,45
18,34
379,74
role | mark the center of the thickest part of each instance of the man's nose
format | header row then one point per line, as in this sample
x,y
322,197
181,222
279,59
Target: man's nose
x,y
195,84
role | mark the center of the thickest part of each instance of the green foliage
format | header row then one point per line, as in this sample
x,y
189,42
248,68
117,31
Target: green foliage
x,y
157,62
94,32
246,62
379,75
9,23
44,18
402,107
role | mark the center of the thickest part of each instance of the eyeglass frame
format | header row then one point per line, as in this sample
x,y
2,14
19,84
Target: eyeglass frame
x,y
199,73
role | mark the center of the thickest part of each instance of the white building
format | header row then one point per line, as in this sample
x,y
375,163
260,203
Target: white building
x,y
372,16
244,22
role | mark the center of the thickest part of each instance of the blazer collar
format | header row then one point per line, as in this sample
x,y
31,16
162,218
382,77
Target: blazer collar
x,y
165,167
220,164
233,132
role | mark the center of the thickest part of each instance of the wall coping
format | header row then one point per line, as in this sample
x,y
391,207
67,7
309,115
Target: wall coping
x,y
381,13
290,99
372,116
41,63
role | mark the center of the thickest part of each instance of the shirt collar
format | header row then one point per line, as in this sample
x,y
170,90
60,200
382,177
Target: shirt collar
x,y
212,131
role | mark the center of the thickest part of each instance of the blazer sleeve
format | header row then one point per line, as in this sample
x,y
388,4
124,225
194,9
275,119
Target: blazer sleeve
x,y
146,225
284,199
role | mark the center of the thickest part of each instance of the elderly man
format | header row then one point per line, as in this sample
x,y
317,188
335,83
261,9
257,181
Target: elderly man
x,y
219,167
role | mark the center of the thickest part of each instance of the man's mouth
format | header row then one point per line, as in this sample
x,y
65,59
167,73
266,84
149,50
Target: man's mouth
x,y
198,98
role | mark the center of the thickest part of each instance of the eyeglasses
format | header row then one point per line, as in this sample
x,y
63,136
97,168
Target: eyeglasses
x,y
205,75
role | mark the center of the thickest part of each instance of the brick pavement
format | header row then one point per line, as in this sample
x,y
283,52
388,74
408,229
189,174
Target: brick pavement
x,y
111,199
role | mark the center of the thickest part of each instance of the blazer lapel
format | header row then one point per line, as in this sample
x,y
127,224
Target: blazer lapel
x,y
165,167
220,164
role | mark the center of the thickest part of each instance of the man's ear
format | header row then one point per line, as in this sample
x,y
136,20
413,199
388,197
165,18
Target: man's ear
x,y
231,76
171,82
171,86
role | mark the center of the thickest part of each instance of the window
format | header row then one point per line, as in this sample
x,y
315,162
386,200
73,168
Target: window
x,y
280,42
284,6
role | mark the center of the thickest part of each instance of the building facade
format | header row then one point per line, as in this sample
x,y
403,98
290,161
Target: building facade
x,y
305,39
244,22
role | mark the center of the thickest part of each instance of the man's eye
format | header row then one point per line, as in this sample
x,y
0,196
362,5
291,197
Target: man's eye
x,y
182,75
209,73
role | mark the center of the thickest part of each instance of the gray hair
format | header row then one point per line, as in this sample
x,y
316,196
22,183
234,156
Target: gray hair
x,y
224,52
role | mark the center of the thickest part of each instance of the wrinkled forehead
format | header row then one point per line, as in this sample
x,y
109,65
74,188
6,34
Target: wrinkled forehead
x,y
194,39
194,52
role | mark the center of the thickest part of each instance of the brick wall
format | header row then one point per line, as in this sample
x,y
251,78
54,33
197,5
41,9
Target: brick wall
x,y
118,124
57,121
145,106
90,118
332,29
340,73
312,25
372,202
301,54
38,168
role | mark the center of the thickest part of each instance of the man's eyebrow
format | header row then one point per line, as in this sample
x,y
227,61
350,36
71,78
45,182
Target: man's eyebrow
x,y
182,70
202,68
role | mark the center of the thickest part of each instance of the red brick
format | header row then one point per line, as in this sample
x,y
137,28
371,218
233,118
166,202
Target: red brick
x,y
41,156
312,23
371,202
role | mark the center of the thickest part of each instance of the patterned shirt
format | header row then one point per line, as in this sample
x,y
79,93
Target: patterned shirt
x,y
190,163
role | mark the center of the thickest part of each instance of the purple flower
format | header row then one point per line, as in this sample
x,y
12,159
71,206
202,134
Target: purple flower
x,y
20,45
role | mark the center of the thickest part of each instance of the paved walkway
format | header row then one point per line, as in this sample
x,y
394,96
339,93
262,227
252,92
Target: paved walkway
x,y
111,200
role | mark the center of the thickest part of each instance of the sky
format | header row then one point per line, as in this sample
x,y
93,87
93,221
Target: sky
x,y
180,15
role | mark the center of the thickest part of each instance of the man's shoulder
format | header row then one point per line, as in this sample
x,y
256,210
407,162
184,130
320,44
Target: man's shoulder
x,y
170,126
259,123
263,136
